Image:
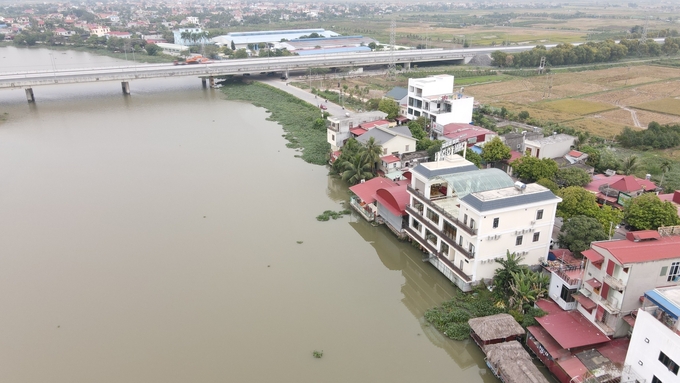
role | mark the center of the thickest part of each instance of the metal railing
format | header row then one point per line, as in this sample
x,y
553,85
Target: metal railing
x,y
460,225
449,241
613,282
439,255
370,216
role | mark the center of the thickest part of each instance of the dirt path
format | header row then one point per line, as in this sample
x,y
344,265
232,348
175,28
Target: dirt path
x,y
633,115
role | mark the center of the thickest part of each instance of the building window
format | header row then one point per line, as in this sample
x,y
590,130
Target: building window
x,y
449,230
674,274
406,149
464,219
460,241
416,225
471,249
495,222
518,241
431,237
445,249
472,223
655,379
539,214
433,216
668,362
663,271
566,294
384,151
536,236
410,111
332,137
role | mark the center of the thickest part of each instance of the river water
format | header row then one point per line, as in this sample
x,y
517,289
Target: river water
x,y
153,238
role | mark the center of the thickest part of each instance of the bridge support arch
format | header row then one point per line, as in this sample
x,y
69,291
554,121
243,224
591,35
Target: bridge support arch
x,y
126,87
29,95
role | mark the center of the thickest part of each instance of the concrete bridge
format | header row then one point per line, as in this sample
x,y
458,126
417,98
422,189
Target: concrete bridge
x,y
208,72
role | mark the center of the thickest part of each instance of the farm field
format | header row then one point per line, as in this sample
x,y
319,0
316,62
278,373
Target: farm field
x,y
599,101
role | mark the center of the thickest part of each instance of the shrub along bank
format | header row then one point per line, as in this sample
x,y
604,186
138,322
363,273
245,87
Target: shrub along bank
x,y
299,119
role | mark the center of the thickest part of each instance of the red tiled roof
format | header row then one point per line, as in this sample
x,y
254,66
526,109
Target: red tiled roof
x,y
593,256
570,329
630,320
394,199
586,302
401,118
464,131
601,179
625,251
555,350
573,366
514,155
390,158
671,197
373,124
642,235
626,184
358,131
575,153
615,350
594,282
366,190
548,306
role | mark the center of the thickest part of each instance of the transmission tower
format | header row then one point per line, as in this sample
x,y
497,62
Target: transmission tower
x,y
643,37
547,91
392,66
541,65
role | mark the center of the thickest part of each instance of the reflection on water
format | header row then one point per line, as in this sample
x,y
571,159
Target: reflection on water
x,y
169,236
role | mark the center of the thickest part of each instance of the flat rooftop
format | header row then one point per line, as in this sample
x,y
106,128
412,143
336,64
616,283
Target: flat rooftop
x,y
492,195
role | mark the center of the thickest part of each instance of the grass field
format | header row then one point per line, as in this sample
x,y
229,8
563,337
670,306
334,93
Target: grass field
x,y
577,106
666,105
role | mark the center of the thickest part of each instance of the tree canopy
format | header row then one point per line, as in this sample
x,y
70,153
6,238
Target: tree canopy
x,y
655,136
649,212
572,176
530,169
495,150
390,107
579,201
579,231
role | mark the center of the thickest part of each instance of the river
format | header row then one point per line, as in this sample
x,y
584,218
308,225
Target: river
x,y
154,238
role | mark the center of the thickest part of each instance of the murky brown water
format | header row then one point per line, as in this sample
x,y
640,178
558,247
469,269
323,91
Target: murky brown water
x,y
152,238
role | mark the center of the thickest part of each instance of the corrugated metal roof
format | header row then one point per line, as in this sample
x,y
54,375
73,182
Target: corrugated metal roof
x,y
510,201
665,304
427,173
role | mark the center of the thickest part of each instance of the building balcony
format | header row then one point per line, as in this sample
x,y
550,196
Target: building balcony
x,y
459,225
433,251
614,283
368,215
449,241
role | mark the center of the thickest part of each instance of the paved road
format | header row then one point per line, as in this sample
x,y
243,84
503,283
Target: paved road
x,y
333,109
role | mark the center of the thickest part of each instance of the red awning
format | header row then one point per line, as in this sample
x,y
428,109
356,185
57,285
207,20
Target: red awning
x,y
593,256
594,282
630,320
584,301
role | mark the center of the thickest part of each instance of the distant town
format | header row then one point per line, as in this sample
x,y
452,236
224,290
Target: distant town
x,y
543,182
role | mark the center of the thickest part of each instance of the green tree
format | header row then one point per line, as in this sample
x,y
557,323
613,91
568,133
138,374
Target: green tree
x,y
579,231
523,115
550,184
526,288
530,169
666,166
576,201
495,150
356,169
152,49
390,107
240,54
373,104
572,176
649,212
416,131
473,157
498,58
630,164
372,45
233,46
502,277
370,153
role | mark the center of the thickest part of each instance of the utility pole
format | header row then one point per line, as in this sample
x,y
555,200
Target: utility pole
x,y
392,66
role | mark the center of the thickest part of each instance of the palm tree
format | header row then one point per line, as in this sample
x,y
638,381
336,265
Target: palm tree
x,y
356,170
503,276
630,164
666,166
526,287
371,153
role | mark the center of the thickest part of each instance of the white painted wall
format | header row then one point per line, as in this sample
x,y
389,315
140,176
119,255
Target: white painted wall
x,y
661,338
399,144
461,112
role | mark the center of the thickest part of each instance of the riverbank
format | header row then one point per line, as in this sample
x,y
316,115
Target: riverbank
x,y
140,57
300,120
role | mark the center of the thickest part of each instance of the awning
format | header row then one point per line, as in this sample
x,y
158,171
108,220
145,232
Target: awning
x,y
584,301
594,283
593,256
630,320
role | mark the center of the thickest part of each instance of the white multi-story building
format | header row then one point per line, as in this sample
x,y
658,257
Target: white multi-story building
x,y
654,351
338,130
617,273
433,98
465,218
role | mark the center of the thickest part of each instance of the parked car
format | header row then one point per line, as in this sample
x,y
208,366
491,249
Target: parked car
x,y
323,107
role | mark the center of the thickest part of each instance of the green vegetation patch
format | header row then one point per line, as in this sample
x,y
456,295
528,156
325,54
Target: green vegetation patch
x,y
451,317
298,118
328,214
665,105
579,107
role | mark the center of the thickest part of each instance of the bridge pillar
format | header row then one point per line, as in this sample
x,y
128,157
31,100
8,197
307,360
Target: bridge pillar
x,y
126,87
212,81
407,66
286,73
204,82
29,95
